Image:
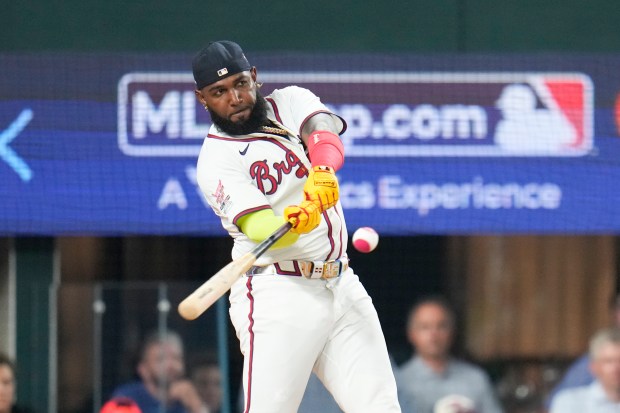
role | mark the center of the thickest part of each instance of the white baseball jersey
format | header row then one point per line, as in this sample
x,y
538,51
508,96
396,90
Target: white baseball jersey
x,y
240,175
289,326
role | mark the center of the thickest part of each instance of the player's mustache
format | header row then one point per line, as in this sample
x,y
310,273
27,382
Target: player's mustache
x,y
250,107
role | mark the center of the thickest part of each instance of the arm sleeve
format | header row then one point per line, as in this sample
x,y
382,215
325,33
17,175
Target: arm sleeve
x,y
261,224
226,186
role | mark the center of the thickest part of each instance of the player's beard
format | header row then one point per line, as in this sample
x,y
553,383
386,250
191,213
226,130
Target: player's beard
x,y
257,118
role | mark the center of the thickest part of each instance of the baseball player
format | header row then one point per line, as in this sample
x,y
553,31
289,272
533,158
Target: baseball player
x,y
301,308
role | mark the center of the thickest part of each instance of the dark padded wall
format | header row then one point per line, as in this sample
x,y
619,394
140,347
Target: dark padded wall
x,y
320,25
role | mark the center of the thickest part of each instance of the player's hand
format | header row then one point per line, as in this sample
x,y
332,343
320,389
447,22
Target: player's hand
x,y
322,187
305,216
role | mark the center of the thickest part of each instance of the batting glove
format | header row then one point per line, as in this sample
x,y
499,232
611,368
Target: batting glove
x,y
322,187
305,217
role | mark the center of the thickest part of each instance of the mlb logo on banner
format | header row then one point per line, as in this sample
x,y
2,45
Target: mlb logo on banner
x,y
562,126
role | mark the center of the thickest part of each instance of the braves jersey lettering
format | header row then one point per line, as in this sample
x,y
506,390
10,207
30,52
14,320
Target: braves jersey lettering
x,y
260,172
290,161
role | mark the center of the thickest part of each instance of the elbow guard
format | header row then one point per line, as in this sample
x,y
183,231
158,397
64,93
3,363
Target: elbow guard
x,y
325,149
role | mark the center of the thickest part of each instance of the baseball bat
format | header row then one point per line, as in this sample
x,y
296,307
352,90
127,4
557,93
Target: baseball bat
x,y
211,290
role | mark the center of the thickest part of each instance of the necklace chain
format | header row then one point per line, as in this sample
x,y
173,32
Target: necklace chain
x,y
277,131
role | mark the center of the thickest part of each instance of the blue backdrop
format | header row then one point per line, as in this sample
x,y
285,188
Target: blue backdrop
x,y
106,144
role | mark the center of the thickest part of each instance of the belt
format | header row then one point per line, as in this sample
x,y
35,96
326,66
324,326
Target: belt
x,y
308,269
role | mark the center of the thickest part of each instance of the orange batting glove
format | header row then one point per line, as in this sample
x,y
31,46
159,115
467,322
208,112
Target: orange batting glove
x,y
322,187
305,217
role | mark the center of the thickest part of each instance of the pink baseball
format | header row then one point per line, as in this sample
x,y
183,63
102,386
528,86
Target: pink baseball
x,y
365,239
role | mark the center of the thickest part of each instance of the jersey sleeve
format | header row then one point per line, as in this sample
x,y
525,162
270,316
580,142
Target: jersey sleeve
x,y
226,186
299,104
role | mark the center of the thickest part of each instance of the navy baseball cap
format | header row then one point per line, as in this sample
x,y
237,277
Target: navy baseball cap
x,y
217,61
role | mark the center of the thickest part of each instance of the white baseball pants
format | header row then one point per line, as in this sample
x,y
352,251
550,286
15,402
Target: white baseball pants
x,y
290,326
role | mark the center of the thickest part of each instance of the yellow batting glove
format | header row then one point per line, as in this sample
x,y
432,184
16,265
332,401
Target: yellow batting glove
x,y
322,187
305,217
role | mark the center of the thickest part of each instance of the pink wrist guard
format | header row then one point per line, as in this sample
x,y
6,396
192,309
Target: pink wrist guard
x,y
325,148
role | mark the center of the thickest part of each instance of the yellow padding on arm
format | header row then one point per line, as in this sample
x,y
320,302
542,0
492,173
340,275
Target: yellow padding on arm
x,y
261,224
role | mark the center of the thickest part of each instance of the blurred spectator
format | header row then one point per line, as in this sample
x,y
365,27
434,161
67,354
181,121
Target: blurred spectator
x,y
405,403
162,387
433,381
206,375
8,386
316,399
603,394
579,374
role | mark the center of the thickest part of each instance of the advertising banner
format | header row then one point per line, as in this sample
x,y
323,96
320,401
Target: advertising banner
x,y
107,145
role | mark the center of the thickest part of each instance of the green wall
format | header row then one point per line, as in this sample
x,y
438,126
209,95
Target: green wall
x,y
389,25
34,266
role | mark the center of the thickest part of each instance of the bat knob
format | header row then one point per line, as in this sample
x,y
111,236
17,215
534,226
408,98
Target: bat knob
x,y
188,311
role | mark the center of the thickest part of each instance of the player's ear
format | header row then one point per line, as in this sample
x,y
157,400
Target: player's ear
x,y
254,75
200,98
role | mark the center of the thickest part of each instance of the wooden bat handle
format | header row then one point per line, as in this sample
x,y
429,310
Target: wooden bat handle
x,y
211,290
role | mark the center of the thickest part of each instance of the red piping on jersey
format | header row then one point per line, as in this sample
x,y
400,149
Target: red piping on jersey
x,y
262,138
340,234
330,234
249,211
276,112
284,148
251,356
227,138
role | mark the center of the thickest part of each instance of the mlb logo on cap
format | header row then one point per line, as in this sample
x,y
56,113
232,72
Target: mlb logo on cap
x,y
223,54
